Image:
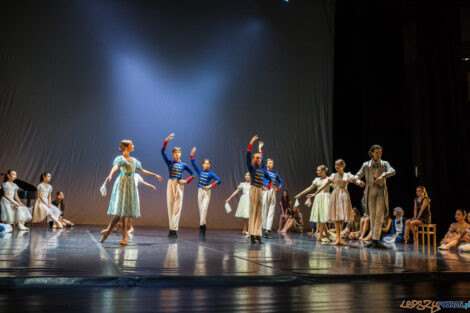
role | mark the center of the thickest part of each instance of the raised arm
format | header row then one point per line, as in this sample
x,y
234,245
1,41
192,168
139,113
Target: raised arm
x,y
248,153
193,162
260,151
165,156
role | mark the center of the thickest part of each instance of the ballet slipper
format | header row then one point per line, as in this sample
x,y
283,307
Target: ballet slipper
x,y
104,231
104,237
123,242
130,231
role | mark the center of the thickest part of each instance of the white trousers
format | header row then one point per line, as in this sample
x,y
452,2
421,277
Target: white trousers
x,y
376,204
174,200
203,200
269,206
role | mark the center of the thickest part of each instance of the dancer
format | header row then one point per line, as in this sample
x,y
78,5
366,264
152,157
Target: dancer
x,y
204,189
376,172
321,203
243,208
398,227
138,180
422,212
457,233
257,174
43,207
13,210
340,208
269,194
59,202
175,187
285,205
124,202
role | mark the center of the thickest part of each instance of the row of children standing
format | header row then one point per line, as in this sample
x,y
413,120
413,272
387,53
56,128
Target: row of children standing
x,y
124,203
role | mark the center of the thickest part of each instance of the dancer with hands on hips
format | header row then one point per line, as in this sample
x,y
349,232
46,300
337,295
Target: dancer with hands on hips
x,y
204,189
175,186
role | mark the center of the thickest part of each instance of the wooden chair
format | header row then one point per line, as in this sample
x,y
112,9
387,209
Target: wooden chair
x,y
426,231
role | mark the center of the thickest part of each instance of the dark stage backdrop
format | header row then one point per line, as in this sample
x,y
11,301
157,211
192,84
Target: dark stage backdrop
x,y
76,77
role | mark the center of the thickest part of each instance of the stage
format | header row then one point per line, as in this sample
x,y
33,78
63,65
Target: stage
x,y
221,270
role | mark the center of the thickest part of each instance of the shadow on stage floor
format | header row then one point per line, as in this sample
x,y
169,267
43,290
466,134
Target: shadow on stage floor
x,y
289,272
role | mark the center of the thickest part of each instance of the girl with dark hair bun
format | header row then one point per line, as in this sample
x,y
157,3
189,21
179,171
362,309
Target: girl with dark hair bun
x,y
43,208
457,233
13,210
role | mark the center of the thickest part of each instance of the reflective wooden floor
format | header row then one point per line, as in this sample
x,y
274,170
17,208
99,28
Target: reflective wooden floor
x,y
224,272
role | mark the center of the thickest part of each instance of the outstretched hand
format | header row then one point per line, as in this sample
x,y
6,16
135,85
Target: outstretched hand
x,y
159,177
170,137
255,137
193,151
260,145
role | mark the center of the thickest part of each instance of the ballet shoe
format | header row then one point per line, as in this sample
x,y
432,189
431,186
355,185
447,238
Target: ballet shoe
x,y
103,231
123,242
22,227
252,239
258,238
104,237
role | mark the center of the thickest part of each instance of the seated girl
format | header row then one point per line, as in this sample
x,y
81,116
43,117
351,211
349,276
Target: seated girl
x,y
294,222
353,229
398,227
422,212
59,202
386,225
457,233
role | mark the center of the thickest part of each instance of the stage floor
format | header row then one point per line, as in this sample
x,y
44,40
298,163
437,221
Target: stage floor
x,y
224,253
224,272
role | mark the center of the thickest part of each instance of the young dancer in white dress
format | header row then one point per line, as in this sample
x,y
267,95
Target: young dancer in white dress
x,y
243,208
43,207
340,208
13,211
321,203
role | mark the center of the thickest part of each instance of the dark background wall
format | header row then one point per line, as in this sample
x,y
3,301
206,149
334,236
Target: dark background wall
x,y
401,77
76,77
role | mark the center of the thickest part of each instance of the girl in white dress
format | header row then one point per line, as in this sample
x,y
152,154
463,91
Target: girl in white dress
x,y
243,208
13,211
320,206
340,208
43,208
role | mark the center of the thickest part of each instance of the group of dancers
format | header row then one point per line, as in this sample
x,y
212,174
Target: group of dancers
x,y
45,209
258,200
